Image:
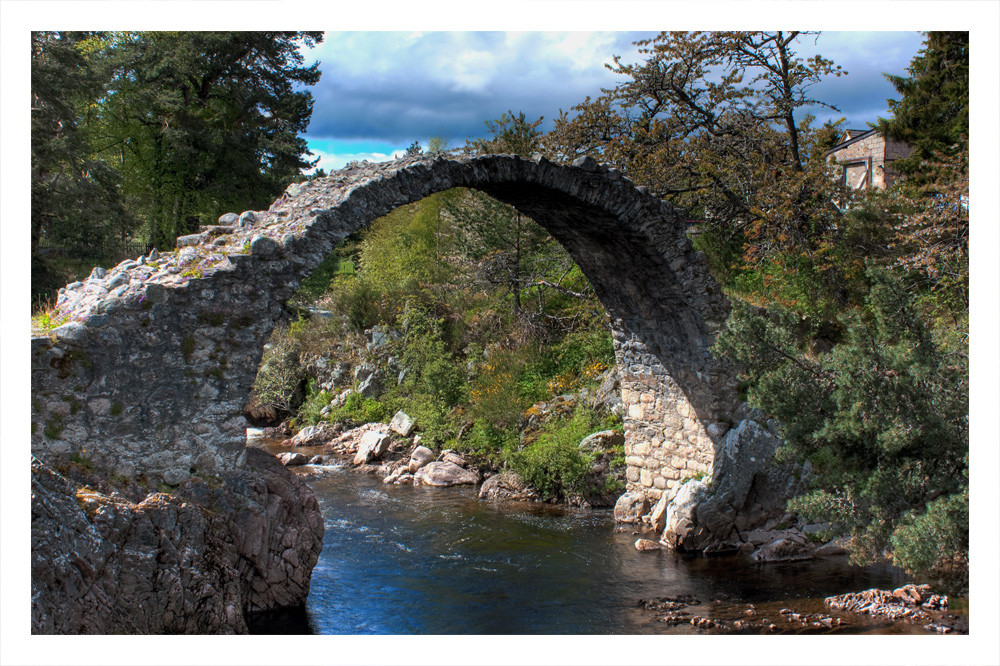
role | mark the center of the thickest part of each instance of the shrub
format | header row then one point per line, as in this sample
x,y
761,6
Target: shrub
x,y
279,374
553,463
883,416
935,543
494,397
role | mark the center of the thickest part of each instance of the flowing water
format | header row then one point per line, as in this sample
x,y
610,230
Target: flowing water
x,y
424,560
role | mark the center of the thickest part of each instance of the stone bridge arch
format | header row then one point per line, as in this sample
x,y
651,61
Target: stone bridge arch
x,y
156,358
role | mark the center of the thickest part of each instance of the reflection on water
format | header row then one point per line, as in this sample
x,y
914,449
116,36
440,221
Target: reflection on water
x,y
421,560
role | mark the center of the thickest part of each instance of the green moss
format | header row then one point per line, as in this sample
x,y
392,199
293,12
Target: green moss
x,y
116,408
187,348
212,318
194,272
53,428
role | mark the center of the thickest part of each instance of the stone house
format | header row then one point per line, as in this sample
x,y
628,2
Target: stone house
x,y
865,158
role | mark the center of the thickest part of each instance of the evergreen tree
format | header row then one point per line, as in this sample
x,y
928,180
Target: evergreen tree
x,y
932,113
76,210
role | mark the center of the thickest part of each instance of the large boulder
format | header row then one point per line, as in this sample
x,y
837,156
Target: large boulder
x,y
680,524
315,435
508,486
292,459
786,546
631,507
373,446
421,456
602,441
608,396
747,489
444,474
402,424
658,515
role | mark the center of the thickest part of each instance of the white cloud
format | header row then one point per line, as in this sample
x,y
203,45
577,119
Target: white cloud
x,y
334,161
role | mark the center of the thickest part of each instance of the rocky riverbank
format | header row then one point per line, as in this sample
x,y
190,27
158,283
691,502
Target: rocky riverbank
x,y
906,609
194,558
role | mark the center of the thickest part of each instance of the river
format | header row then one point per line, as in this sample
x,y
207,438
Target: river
x,y
425,560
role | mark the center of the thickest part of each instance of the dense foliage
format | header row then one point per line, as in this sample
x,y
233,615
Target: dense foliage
x,y
492,316
850,321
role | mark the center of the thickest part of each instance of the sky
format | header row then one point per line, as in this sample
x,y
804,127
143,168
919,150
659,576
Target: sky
x,y
381,91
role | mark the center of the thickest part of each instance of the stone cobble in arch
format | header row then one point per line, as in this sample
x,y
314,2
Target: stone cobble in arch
x,y
151,369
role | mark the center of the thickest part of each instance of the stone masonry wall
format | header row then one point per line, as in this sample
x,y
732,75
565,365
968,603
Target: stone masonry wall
x,y
149,369
878,153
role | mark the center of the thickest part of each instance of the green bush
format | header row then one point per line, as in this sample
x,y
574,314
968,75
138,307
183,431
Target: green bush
x,y
494,397
934,543
883,416
553,463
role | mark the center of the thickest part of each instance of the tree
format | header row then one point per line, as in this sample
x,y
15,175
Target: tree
x,y
76,208
882,419
932,113
510,134
932,116
507,248
203,122
708,121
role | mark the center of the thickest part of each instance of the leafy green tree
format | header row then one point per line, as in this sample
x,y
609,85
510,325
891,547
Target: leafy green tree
x,y
506,248
203,122
713,122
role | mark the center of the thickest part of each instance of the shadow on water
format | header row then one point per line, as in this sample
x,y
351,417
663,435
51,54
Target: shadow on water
x,y
421,560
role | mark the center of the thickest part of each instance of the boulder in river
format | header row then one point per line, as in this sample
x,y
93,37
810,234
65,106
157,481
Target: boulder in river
x,y
315,435
291,459
787,546
630,507
420,457
373,446
444,474
508,486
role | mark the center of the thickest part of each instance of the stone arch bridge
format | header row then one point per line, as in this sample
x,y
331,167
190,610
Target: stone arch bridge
x,y
157,357
145,376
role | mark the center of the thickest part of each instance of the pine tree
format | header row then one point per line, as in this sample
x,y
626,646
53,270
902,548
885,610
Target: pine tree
x,y
932,113
76,211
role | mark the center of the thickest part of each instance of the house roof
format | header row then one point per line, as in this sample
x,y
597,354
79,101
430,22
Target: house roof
x,y
849,137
